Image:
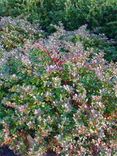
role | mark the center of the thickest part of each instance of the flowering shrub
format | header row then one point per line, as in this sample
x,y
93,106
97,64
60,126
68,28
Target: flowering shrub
x,y
98,43
56,96
16,32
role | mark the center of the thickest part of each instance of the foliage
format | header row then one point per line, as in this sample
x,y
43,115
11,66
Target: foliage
x,y
101,14
98,43
56,95
14,33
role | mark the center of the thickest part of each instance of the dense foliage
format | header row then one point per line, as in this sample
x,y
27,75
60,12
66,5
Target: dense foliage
x,y
56,93
99,14
58,87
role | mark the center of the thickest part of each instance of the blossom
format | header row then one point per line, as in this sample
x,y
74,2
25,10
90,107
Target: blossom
x,y
53,68
22,108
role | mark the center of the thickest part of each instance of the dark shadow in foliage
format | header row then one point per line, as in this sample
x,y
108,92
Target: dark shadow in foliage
x,y
6,151
50,153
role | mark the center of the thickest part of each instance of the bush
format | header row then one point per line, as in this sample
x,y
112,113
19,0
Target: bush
x,y
54,95
15,33
98,43
72,13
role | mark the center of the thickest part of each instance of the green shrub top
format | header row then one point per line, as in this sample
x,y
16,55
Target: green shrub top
x,y
56,95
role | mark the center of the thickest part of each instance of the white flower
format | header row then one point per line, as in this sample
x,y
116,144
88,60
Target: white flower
x,y
67,87
37,112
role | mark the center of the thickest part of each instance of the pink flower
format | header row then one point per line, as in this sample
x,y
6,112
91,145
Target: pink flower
x,y
22,109
53,68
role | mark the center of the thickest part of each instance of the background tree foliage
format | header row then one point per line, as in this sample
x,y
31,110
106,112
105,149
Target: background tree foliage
x,y
100,14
